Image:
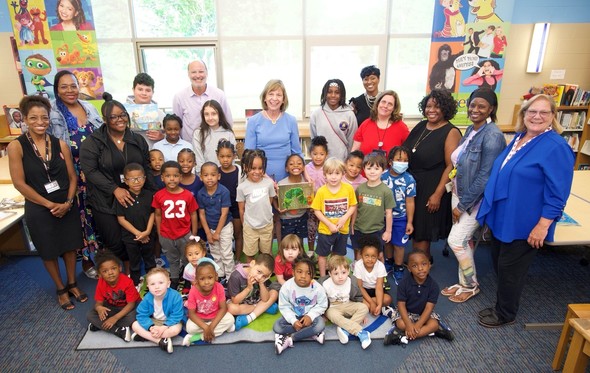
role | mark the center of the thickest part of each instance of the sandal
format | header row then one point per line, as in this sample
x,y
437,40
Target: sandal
x,y
68,306
82,297
451,290
471,292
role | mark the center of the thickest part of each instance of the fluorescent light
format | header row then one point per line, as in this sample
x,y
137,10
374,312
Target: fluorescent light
x,y
538,46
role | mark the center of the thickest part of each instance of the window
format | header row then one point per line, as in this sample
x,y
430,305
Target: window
x,y
174,18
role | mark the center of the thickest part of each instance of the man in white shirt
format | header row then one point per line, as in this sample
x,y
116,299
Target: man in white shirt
x,y
187,103
486,43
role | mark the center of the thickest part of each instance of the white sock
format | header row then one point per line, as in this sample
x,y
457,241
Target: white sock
x,y
251,317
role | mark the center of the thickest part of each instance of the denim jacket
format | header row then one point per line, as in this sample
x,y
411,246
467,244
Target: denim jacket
x,y
57,122
475,164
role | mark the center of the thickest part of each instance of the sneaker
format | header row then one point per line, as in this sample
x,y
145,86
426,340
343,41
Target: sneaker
x,y
387,311
310,253
444,332
223,281
190,339
386,285
124,333
166,345
392,337
282,342
365,338
241,321
342,335
273,309
319,338
92,328
160,262
388,265
137,338
398,275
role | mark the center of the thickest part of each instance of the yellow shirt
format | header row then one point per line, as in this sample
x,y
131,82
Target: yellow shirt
x,y
334,206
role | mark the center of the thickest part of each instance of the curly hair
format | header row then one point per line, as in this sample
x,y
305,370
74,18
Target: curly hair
x,y
444,100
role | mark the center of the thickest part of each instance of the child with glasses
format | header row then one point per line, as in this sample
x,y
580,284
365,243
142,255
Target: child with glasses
x,y
172,144
137,221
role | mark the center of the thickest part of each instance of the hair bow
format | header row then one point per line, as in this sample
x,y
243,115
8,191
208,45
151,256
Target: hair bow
x,y
196,238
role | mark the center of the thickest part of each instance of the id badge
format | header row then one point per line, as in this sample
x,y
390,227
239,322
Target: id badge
x,y
122,177
51,186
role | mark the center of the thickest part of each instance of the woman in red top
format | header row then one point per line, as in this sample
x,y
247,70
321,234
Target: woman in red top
x,y
384,129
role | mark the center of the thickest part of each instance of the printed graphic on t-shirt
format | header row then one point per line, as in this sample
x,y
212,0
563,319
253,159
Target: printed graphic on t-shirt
x,y
335,208
115,298
258,193
174,209
370,200
207,306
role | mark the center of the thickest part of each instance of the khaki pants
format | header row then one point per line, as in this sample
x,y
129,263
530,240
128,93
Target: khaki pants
x,y
348,315
257,240
224,324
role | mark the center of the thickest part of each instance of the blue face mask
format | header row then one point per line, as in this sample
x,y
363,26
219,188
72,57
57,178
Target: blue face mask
x,y
399,167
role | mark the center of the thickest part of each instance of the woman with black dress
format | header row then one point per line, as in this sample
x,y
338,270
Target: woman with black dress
x,y
49,186
432,141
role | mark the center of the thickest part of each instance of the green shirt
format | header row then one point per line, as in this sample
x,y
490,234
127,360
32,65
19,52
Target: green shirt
x,y
372,204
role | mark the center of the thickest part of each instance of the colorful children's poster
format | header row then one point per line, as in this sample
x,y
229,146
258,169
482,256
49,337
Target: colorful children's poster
x,y
143,116
75,49
38,71
69,15
89,83
29,23
295,196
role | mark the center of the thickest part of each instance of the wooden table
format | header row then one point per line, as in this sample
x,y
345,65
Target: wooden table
x,y
579,352
579,209
4,171
581,185
13,239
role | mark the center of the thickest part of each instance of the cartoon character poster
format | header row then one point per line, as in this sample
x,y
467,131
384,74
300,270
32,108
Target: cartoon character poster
x,y
463,63
56,35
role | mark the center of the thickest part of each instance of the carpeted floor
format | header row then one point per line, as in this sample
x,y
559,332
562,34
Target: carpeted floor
x,y
36,335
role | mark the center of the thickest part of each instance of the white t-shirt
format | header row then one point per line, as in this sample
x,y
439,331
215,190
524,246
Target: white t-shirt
x,y
369,279
337,293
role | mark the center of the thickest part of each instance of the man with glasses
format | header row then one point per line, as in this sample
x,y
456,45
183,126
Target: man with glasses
x,y
187,103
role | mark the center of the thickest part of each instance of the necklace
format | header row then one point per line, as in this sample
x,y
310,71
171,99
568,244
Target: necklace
x,y
370,100
273,121
118,141
420,139
380,144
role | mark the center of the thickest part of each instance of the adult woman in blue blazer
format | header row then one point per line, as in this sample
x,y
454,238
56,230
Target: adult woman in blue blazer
x,y
472,164
524,198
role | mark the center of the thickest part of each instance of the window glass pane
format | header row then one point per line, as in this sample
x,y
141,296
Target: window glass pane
x,y
346,17
118,68
111,19
407,71
168,66
411,17
339,62
249,65
260,18
175,18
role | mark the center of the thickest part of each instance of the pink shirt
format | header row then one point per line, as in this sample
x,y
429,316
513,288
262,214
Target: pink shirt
x,y
316,175
206,306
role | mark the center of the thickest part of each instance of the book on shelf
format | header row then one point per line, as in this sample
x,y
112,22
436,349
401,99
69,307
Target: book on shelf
x,y
573,140
568,94
585,148
555,91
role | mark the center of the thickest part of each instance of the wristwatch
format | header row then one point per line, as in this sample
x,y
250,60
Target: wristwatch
x,y
70,201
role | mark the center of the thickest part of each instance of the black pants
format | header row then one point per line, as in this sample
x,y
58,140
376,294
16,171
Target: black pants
x,y
511,262
136,251
109,230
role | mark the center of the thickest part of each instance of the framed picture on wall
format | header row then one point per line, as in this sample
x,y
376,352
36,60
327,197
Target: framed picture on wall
x,y
15,119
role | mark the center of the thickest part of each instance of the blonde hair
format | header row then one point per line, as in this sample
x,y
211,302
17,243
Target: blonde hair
x,y
273,85
155,271
520,127
336,261
332,164
290,240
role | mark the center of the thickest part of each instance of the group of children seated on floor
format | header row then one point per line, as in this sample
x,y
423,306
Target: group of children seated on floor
x,y
302,301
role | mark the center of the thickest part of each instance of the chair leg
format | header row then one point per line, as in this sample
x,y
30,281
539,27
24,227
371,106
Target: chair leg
x,y
576,360
563,339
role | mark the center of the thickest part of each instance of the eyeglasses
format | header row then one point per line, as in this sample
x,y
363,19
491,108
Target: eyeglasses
x,y
123,116
135,179
533,113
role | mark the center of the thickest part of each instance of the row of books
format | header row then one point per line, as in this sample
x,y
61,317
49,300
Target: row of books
x,y
567,94
573,140
573,120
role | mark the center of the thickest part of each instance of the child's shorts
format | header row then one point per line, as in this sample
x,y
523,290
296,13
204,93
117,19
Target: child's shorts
x,y
398,231
414,317
354,239
333,243
257,239
296,226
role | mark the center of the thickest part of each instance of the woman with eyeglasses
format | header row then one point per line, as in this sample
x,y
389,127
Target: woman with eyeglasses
x,y
525,196
73,120
103,156
42,170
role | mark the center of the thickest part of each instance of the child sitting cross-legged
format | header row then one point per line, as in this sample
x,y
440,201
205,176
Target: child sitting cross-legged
x,y
116,298
160,313
207,310
250,291
370,274
302,302
414,316
346,308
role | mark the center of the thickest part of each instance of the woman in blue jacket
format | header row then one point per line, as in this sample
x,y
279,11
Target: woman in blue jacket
x,y
472,164
525,196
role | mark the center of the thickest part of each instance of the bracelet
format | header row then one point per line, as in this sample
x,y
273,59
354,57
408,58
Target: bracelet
x,y
70,201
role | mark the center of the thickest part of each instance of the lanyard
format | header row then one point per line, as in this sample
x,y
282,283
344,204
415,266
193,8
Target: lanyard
x,y
45,161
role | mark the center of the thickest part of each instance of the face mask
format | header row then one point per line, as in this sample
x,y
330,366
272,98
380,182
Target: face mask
x,y
399,167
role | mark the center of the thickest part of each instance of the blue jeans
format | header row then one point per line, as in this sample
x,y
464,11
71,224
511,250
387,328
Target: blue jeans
x,y
281,326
